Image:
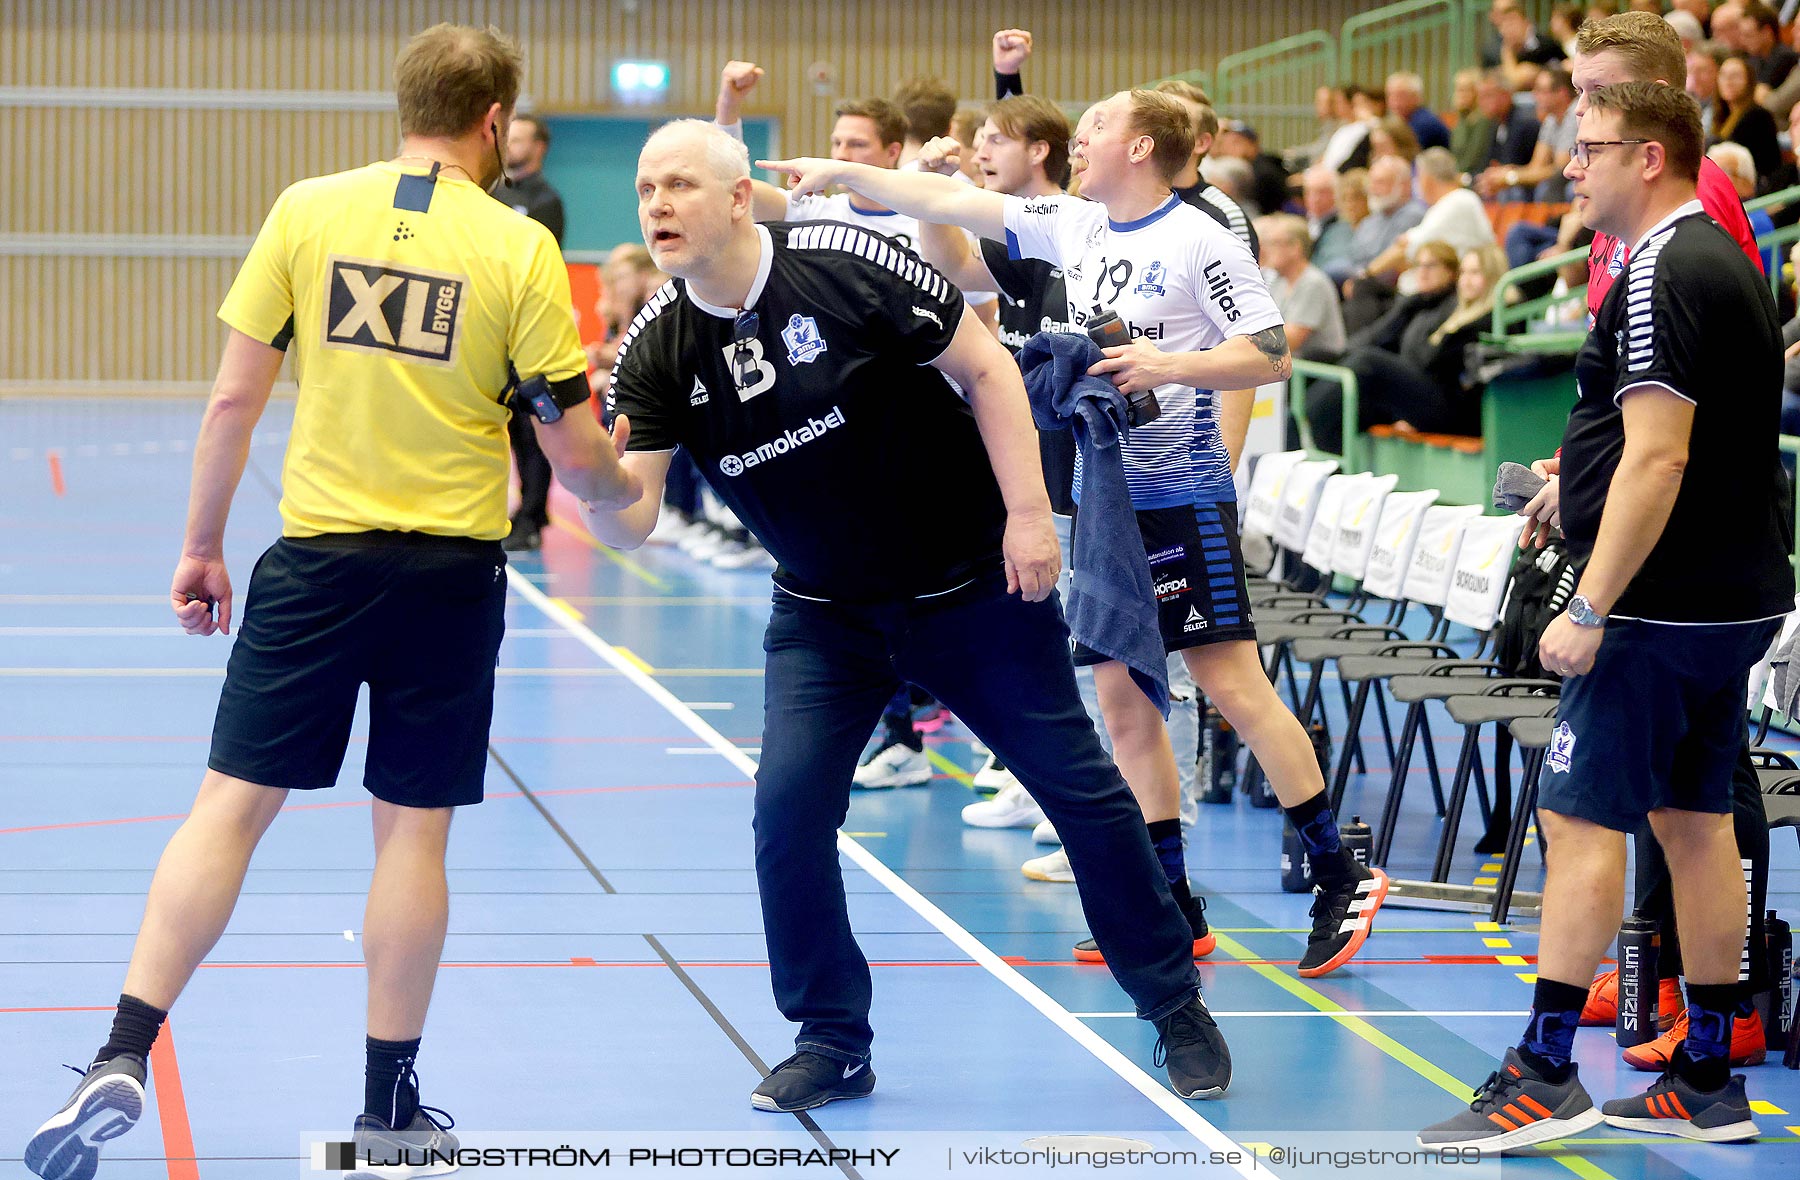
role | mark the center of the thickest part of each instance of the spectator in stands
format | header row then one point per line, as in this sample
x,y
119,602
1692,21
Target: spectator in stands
x,y
1700,10
1770,60
1307,298
1404,330
1735,159
1368,106
1453,215
1541,179
1234,178
1515,132
1523,52
1726,26
1686,28
1390,136
1470,137
1738,119
1298,159
1790,377
1703,83
1352,211
1239,139
1788,175
1490,34
1348,146
1326,225
1564,20
1601,9
1406,100
928,105
1781,100
1392,211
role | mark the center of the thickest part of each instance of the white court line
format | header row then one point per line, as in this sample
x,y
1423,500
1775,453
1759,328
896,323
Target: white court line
x,y
1401,1012
705,749
714,706
1129,1071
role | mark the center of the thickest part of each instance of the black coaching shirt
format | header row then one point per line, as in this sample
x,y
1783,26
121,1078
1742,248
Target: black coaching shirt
x,y
815,429
1693,315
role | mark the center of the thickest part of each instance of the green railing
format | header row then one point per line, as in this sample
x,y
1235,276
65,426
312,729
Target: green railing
x,y
1273,85
1430,38
1349,461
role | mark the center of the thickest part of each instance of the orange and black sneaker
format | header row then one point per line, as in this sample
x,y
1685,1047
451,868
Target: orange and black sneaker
x,y
1748,1045
1205,942
1516,1107
1602,1007
1674,1107
1342,914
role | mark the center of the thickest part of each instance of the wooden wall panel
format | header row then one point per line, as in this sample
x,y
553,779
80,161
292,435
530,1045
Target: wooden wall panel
x,y
86,170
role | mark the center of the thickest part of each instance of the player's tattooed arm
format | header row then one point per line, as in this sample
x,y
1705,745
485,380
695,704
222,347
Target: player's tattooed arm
x,y
1272,343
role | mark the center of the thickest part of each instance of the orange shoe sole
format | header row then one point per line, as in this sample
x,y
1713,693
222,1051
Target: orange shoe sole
x,y
1202,948
1378,895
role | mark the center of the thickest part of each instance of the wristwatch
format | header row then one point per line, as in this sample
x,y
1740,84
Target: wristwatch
x,y
1512,177
1583,614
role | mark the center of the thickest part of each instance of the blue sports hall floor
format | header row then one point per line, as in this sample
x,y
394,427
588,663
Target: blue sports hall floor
x,y
605,985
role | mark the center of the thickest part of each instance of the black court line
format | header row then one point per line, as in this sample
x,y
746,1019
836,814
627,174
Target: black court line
x,y
680,973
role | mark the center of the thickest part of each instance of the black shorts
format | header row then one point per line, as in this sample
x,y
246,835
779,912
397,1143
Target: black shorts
x,y
1658,722
416,618
1197,571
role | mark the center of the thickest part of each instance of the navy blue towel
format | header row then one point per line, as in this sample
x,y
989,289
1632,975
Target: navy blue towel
x,y
1112,602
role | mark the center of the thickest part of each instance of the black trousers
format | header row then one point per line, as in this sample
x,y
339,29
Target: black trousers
x,y
534,470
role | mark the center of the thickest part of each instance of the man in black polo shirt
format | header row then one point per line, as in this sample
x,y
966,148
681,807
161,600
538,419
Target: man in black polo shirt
x,y
804,367
526,190
1671,494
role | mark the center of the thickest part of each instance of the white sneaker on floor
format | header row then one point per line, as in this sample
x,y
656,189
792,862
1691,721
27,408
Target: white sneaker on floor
x,y
894,765
1011,808
750,556
671,527
1052,866
1045,833
992,776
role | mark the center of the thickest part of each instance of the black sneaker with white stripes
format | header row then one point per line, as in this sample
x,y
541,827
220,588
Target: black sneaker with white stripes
x,y
108,1102
1343,913
806,1080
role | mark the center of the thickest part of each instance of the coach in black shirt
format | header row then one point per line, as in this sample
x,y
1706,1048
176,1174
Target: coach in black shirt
x,y
526,190
804,367
1670,496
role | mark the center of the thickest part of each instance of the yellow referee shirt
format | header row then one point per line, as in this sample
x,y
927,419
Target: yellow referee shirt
x,y
404,300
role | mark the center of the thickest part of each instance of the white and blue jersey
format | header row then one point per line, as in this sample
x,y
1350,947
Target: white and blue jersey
x,y
1181,281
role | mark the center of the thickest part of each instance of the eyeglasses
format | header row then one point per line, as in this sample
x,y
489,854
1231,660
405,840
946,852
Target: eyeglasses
x,y
1584,148
743,360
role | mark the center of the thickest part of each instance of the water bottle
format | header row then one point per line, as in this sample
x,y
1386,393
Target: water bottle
x,y
1358,839
1778,1016
1296,865
1639,943
1217,774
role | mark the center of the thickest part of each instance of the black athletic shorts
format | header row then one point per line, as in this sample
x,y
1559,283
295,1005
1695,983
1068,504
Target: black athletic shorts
x,y
1658,722
417,618
1197,572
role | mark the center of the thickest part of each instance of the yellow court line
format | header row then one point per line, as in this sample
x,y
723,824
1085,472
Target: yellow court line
x,y
1488,927
1431,1072
632,658
1487,880
562,606
1497,942
1510,960
631,567
1526,977
1762,1106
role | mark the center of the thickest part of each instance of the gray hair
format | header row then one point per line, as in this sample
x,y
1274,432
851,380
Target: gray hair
x,y
1411,83
1438,164
1735,158
726,155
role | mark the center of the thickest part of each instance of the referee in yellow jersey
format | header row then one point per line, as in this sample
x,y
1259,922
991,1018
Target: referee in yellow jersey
x,y
415,306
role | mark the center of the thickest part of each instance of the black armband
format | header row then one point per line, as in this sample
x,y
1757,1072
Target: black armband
x,y
548,399
1007,85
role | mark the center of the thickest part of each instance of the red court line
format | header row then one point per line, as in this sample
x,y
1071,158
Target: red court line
x,y
150,819
171,1105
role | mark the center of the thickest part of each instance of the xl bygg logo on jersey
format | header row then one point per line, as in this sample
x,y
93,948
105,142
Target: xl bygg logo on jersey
x,y
378,307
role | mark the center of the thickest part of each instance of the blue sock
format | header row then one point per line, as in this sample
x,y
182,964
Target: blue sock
x,y
1165,837
1555,1014
1316,825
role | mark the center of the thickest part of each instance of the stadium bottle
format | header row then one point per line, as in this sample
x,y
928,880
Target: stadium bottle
x,y
1296,865
1778,1013
1639,943
1358,839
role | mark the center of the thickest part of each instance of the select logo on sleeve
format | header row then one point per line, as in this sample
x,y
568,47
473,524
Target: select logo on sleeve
x,y
381,308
